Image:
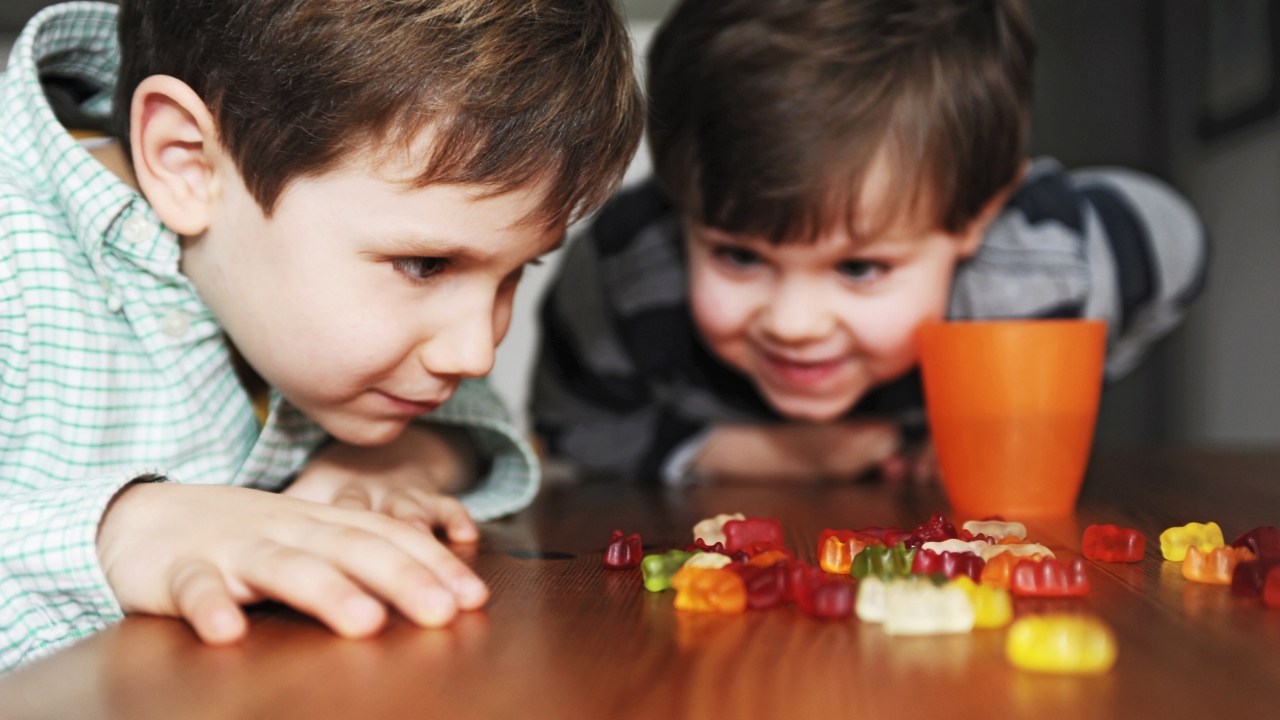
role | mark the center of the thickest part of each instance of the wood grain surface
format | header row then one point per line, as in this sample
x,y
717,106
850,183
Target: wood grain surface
x,y
563,638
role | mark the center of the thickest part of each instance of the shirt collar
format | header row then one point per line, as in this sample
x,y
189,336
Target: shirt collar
x,y
79,39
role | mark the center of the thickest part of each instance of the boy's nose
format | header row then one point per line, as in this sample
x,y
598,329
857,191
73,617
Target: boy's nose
x,y
797,314
464,347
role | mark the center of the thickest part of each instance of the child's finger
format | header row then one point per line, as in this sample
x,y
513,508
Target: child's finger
x,y
454,574
456,520
429,511
313,586
201,596
893,469
390,572
408,510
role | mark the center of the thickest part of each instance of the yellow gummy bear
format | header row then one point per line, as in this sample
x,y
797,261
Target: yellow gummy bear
x,y
1061,644
1175,541
992,606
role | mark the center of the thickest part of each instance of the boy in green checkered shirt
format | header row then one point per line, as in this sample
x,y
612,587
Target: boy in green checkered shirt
x,y
326,203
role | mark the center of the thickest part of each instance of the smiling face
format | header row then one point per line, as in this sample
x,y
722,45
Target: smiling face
x,y
365,302
815,325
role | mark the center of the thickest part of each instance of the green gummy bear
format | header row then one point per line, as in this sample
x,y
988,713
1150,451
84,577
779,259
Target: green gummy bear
x,y
658,569
883,562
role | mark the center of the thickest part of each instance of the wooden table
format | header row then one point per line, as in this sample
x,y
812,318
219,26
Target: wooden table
x,y
562,638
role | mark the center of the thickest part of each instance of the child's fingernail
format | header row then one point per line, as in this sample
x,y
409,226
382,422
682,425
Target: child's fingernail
x,y
224,624
363,611
437,605
470,589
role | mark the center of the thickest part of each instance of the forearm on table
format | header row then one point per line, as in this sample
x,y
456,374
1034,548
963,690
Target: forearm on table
x,y
834,450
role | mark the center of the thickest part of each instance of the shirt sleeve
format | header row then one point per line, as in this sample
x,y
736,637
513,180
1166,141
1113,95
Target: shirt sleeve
x,y
618,287
52,587
1155,251
1108,243
53,590
514,472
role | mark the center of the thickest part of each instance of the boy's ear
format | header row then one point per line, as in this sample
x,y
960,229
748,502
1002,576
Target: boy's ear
x,y
175,153
972,237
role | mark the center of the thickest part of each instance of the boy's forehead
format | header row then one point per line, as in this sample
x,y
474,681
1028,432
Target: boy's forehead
x,y
402,172
885,221
885,202
407,159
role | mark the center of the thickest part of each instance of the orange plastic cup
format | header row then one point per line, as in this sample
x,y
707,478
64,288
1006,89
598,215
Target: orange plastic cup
x,y
1012,410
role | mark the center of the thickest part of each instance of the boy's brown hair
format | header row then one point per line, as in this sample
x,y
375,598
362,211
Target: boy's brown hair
x,y
765,115
513,91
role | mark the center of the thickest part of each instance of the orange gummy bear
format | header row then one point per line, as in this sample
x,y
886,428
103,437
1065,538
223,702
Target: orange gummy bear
x,y
1215,566
837,555
769,558
997,570
709,590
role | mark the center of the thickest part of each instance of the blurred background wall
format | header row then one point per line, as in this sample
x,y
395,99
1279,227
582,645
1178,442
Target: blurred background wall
x,y
1183,90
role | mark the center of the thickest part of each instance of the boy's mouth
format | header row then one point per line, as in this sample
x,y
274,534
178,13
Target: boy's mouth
x,y
406,406
801,375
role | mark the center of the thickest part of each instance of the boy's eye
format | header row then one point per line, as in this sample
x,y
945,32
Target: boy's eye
x,y
737,257
419,268
861,270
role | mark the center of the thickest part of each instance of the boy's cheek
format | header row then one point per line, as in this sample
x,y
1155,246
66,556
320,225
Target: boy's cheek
x,y
721,310
885,334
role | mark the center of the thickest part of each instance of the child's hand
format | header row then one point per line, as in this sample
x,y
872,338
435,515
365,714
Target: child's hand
x,y
404,479
795,451
917,466
200,551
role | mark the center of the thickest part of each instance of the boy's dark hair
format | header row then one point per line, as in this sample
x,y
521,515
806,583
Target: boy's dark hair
x,y
765,115
513,91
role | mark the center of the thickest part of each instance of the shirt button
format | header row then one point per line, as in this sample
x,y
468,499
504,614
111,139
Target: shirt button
x,y
138,229
176,324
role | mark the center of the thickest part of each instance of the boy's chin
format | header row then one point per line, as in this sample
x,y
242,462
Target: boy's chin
x,y
810,410
362,432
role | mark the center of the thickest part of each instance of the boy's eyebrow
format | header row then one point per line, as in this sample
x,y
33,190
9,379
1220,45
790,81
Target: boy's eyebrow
x,y
428,246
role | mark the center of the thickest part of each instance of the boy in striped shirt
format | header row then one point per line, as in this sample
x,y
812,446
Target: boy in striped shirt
x,y
828,175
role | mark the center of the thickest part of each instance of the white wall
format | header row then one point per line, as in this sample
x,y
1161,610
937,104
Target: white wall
x,y
1228,371
1231,376
6,44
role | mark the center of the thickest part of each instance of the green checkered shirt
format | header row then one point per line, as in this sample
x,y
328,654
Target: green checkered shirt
x,y
110,365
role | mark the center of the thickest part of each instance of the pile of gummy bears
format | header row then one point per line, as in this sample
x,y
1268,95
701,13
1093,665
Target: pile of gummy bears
x,y
935,579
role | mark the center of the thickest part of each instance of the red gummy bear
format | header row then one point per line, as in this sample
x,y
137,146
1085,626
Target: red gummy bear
x,y
1049,578
764,585
950,564
889,536
1263,542
1271,588
822,595
700,544
936,530
623,551
1109,543
740,533
1250,576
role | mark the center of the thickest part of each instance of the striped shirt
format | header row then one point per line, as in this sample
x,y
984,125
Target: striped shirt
x,y
625,386
112,368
